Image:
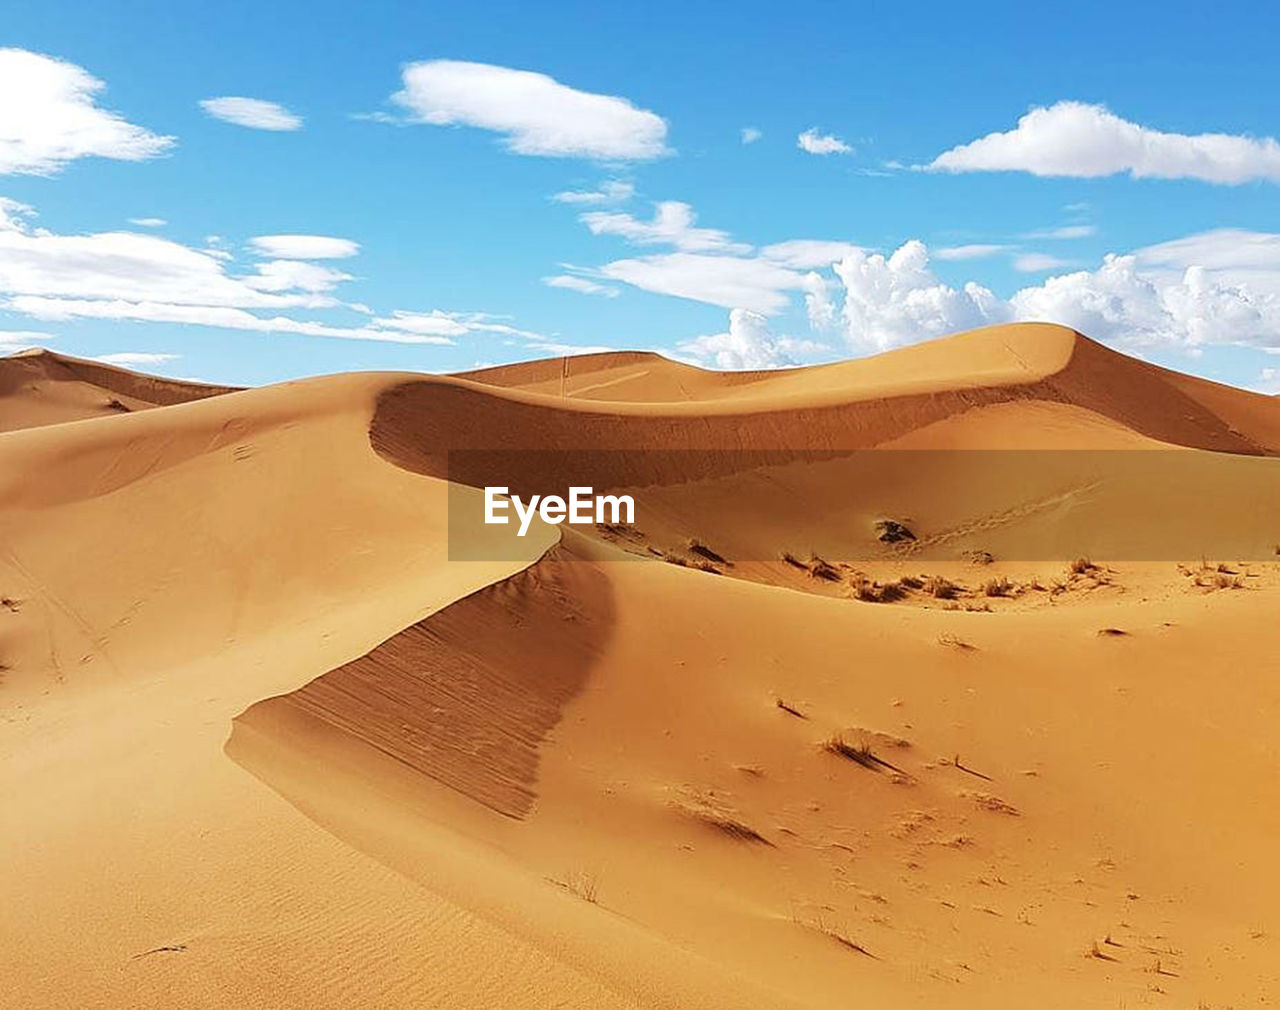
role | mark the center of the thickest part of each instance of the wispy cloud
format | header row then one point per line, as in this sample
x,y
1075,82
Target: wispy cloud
x,y
49,116
583,285
609,191
535,113
750,134
304,247
253,113
973,251
672,224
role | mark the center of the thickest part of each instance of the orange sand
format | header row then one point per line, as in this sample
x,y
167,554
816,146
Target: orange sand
x,y
264,745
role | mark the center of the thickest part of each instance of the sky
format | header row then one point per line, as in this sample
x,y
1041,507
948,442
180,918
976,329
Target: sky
x,y
247,192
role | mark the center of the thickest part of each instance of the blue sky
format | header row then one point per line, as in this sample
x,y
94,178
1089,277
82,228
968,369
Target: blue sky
x,y
895,221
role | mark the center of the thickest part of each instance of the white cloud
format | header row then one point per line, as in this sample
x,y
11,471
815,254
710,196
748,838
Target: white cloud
x,y
974,251
304,247
1037,262
129,267
295,275
1069,231
126,358
807,253
672,224
221,317
820,143
1088,141
252,112
439,326
13,215
889,301
13,341
1159,296
148,222
609,191
147,278
750,134
728,281
582,285
748,344
537,114
49,116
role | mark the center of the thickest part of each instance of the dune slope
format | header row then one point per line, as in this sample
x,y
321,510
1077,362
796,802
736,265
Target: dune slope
x,y
326,762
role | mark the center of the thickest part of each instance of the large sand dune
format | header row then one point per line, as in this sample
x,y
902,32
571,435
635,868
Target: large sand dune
x,y
265,744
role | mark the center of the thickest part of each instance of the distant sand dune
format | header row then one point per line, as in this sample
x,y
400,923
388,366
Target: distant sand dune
x,y
40,387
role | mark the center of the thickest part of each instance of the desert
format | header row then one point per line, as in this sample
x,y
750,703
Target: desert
x,y
266,744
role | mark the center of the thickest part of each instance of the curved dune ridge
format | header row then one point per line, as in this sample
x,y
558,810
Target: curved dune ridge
x,y
40,387
740,754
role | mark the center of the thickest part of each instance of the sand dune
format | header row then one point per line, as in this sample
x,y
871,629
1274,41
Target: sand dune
x,y
323,764
40,387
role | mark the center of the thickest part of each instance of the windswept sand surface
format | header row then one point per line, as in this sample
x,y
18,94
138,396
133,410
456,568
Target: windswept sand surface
x,y
264,744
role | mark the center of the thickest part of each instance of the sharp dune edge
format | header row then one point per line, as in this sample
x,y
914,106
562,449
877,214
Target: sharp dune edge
x,y
264,745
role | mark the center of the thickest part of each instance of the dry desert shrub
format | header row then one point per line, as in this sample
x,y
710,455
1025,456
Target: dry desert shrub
x,y
1081,566
999,586
821,569
940,588
859,753
707,810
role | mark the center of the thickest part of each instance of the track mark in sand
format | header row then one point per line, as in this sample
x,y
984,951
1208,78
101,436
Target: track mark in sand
x,y
176,948
994,520
467,695
607,383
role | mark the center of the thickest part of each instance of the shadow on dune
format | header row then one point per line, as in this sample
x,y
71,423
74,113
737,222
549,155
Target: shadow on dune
x,y
465,696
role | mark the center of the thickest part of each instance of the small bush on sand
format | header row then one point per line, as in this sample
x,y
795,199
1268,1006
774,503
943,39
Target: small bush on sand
x,y
940,588
999,586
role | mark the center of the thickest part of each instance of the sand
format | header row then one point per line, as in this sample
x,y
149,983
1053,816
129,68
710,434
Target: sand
x,y
265,745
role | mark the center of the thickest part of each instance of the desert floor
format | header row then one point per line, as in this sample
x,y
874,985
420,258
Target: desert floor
x,y
263,744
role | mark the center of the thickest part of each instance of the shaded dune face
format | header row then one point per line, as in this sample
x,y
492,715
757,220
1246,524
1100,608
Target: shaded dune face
x,y
467,695
417,424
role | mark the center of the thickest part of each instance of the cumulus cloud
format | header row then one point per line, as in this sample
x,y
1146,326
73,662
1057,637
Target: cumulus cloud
x,y
609,191
821,143
583,285
534,112
751,134
894,300
672,224
254,113
1213,288
304,247
747,344
1087,141
49,116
